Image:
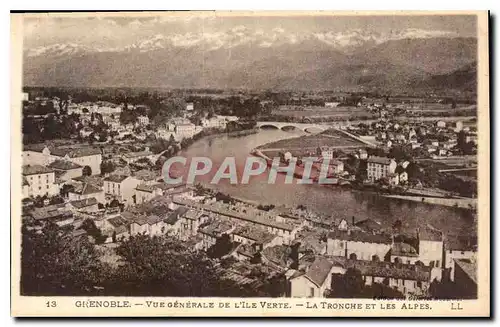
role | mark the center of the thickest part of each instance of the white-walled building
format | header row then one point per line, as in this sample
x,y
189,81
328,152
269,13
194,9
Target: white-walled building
x,y
39,180
380,167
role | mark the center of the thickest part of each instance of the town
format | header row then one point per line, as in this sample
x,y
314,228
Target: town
x,y
92,172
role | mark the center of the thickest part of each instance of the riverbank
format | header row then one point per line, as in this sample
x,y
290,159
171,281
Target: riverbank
x,y
465,203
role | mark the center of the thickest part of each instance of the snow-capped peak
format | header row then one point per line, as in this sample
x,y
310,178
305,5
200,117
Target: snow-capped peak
x,y
240,35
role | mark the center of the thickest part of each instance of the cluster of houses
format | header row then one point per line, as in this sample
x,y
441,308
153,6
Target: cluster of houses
x,y
324,247
438,139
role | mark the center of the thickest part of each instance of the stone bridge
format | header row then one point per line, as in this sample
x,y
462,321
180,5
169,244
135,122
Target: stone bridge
x,y
302,126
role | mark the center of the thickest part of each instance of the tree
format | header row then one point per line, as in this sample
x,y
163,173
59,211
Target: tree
x,y
53,263
87,171
107,167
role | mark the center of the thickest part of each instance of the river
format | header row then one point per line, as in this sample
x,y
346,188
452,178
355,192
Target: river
x,y
337,202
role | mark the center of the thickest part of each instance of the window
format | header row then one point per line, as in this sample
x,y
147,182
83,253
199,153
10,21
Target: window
x,y
311,292
419,284
437,264
341,245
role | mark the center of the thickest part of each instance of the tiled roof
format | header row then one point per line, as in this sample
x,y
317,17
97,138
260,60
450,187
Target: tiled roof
x,y
84,203
233,214
137,154
360,236
116,178
385,269
74,153
403,249
468,267
318,271
461,243
64,165
379,160
36,170
254,233
145,175
86,188
216,228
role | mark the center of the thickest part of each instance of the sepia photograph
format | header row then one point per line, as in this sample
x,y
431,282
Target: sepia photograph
x,y
324,162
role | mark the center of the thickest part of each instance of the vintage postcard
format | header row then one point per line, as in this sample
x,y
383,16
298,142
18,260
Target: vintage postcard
x,y
322,164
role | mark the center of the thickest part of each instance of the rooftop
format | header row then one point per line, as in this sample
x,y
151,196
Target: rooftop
x,y
379,160
237,215
36,170
318,271
84,203
469,267
360,236
403,249
216,228
63,165
116,178
254,233
86,188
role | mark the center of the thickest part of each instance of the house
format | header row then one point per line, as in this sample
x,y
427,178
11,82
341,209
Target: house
x,y
380,167
55,213
66,170
459,248
88,157
258,237
359,245
146,177
441,124
88,205
143,120
285,230
132,157
407,279
191,220
314,281
430,246
213,231
404,253
326,152
174,223
121,188
465,278
86,191
335,167
331,104
39,180
147,225
362,154
146,192
189,106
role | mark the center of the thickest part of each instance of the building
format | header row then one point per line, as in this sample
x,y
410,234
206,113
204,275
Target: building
x,y
191,220
66,170
314,281
189,106
257,237
380,167
407,279
404,253
121,188
465,278
213,231
362,154
430,247
358,245
441,124
39,180
88,205
459,248
85,191
285,230
87,157
132,157
143,120
326,152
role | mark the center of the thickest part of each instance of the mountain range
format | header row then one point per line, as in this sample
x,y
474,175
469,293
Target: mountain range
x,y
243,58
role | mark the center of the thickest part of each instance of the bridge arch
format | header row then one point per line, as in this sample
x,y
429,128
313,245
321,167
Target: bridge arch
x,y
269,126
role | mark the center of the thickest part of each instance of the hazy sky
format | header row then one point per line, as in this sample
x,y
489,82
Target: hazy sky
x,y
118,31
